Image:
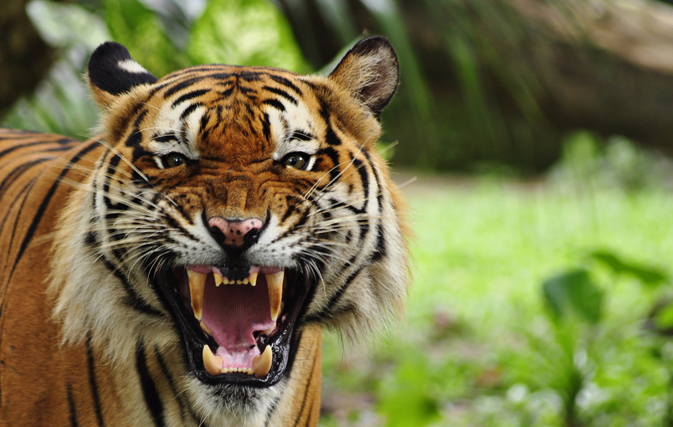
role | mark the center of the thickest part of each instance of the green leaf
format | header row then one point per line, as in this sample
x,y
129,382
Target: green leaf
x,y
405,399
142,32
663,319
574,291
646,274
244,32
63,25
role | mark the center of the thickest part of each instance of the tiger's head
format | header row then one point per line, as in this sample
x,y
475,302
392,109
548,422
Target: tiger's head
x,y
232,208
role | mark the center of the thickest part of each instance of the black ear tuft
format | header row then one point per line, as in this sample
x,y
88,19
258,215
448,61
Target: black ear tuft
x,y
370,72
112,70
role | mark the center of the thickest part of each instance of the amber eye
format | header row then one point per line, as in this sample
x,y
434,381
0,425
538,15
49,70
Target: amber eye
x,y
296,160
172,160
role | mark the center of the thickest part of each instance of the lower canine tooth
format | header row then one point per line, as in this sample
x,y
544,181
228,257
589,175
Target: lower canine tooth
x,y
197,282
212,363
275,283
262,363
268,331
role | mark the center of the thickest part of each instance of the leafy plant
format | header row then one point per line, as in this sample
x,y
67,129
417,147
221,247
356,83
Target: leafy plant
x,y
575,304
162,35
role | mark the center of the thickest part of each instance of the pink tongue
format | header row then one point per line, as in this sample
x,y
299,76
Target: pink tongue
x,y
234,312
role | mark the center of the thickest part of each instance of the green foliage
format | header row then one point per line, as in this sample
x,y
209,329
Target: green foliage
x,y
244,32
573,291
591,162
405,396
481,335
646,274
139,28
161,38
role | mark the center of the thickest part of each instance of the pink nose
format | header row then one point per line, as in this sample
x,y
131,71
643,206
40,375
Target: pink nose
x,y
234,231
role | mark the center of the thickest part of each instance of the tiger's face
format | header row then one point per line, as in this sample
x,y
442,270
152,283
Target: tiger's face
x,y
233,208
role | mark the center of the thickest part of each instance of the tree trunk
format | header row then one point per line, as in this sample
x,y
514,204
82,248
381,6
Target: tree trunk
x,y
24,58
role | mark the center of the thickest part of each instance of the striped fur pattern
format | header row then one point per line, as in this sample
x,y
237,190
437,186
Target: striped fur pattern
x,y
95,234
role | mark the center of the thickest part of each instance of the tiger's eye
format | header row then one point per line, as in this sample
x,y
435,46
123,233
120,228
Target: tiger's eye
x,y
172,160
296,160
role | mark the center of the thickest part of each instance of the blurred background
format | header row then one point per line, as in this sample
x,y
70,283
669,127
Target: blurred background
x,y
531,139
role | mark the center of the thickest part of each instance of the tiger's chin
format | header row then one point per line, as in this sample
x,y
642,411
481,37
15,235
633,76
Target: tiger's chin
x,y
238,326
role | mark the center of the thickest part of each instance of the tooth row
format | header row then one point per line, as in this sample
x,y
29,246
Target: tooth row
x,y
219,280
197,282
261,365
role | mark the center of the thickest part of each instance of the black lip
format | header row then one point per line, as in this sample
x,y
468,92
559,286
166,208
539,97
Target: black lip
x,y
283,343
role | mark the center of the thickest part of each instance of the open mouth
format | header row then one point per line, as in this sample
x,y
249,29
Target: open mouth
x,y
237,331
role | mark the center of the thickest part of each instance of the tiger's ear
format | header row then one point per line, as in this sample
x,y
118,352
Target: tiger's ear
x,y
369,72
112,72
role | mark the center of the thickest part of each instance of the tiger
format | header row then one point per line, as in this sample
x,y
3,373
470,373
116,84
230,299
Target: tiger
x,y
179,268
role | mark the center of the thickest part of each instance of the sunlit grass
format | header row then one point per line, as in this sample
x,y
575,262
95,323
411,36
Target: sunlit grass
x,y
478,349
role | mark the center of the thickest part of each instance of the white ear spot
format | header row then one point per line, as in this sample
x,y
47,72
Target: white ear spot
x,y
131,66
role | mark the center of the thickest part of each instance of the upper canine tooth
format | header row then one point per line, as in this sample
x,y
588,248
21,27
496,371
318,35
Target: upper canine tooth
x,y
275,283
253,279
212,363
218,279
206,328
197,283
262,363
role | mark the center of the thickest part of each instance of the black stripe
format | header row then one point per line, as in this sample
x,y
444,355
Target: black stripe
x,y
166,138
381,249
308,387
190,81
364,177
23,196
45,202
169,377
266,126
93,383
135,140
32,144
302,136
189,95
227,93
109,174
118,131
189,110
282,93
16,173
150,394
334,171
203,127
72,407
328,311
290,200
132,299
183,84
285,82
270,411
275,104
331,137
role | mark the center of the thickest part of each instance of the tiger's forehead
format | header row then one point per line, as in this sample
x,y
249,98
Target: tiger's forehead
x,y
218,107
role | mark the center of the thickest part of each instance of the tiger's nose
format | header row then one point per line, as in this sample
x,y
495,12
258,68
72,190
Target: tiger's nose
x,y
235,231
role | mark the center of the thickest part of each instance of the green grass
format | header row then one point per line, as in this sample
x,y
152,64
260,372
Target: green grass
x,y
479,348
